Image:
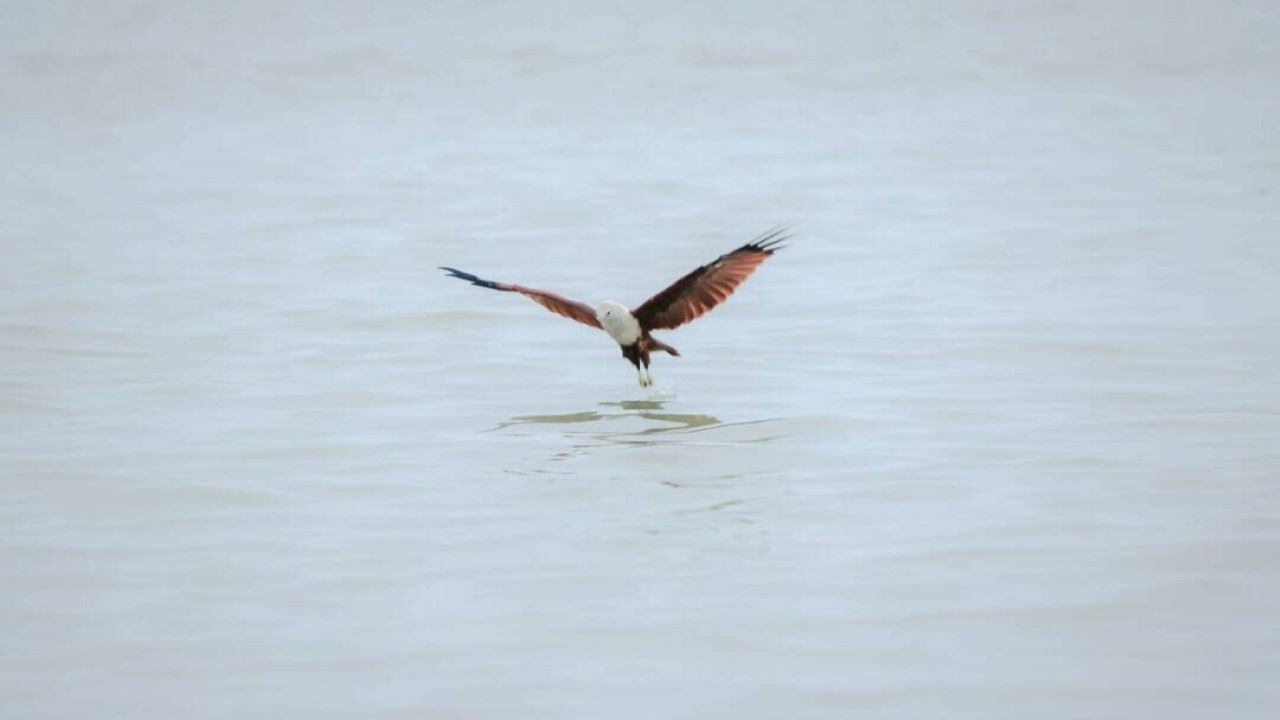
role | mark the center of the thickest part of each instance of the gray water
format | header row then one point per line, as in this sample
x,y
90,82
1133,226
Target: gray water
x,y
996,436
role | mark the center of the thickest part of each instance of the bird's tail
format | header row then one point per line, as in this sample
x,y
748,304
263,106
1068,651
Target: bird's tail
x,y
659,345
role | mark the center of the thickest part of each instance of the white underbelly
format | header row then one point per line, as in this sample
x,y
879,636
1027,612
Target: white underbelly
x,y
623,328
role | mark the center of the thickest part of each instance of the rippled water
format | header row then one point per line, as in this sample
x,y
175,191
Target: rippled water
x,y
996,436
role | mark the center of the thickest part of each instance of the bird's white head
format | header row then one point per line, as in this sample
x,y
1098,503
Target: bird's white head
x,y
618,321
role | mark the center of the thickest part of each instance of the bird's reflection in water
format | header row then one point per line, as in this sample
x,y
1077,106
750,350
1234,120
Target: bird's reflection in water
x,y
646,410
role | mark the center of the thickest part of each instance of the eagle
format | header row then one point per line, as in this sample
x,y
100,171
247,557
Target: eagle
x,y
685,300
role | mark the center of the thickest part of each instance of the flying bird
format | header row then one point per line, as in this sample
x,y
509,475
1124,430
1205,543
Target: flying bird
x,y
685,300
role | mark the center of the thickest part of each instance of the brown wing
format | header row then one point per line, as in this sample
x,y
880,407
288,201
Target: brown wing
x,y
695,294
571,309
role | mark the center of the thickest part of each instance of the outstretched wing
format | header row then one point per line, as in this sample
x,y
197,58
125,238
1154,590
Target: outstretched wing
x,y
571,309
695,294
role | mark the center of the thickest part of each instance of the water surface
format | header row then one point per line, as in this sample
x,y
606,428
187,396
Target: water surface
x,y
996,436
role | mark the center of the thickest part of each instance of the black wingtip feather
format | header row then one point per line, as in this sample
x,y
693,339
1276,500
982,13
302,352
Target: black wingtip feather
x,y
454,272
770,241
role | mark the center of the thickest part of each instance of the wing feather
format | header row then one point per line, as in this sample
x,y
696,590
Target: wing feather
x,y
695,294
557,304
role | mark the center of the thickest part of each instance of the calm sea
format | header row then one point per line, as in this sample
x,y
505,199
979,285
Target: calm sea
x,y
997,436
